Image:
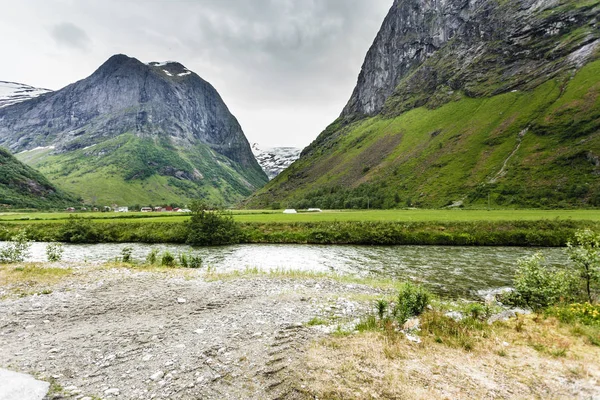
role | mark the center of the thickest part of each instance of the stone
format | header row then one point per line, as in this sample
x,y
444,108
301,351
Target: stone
x,y
412,324
112,392
181,301
15,386
455,315
157,376
507,314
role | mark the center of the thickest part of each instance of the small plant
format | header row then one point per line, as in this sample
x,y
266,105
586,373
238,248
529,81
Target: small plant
x,y
126,254
152,257
195,262
412,301
167,260
381,307
316,321
54,251
183,260
478,311
16,250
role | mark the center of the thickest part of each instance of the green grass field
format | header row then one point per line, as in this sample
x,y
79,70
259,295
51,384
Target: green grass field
x,y
268,216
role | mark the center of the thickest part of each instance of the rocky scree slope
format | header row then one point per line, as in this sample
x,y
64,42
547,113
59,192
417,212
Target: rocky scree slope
x,y
23,187
464,102
274,160
135,133
13,93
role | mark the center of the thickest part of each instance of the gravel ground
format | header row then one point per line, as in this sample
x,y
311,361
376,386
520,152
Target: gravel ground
x,y
143,335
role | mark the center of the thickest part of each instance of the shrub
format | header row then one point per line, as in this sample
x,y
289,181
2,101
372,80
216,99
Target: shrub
x,y
126,254
167,260
538,287
195,262
79,230
585,255
183,260
152,257
16,250
54,251
412,301
585,313
212,227
478,311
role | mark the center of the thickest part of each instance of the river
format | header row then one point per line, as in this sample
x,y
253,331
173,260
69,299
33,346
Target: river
x,y
455,271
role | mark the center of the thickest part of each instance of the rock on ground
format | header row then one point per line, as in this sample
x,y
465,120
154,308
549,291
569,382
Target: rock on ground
x,y
15,386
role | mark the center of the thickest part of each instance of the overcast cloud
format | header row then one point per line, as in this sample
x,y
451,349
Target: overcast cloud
x,y
285,68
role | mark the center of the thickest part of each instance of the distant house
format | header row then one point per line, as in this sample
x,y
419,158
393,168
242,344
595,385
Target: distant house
x,y
290,211
317,210
107,208
184,210
71,209
146,209
83,209
158,209
123,209
169,209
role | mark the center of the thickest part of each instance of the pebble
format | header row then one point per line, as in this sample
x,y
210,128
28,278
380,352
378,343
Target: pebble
x,y
112,392
158,375
181,301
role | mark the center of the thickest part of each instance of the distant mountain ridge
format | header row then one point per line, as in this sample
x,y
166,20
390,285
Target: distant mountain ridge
x,y
135,133
463,103
13,93
275,160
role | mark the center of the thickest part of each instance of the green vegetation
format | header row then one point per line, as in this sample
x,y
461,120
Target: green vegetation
x,y
23,187
54,251
16,250
132,170
411,302
533,148
212,227
556,232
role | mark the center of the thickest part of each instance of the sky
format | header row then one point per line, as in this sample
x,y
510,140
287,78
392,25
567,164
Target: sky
x,y
285,68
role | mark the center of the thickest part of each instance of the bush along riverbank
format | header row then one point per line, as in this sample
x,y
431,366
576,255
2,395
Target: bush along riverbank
x,y
544,233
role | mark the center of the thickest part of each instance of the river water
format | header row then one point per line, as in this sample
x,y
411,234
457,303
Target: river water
x,y
456,271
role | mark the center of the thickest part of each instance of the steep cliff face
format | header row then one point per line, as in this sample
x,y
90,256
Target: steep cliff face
x,y
463,102
427,49
187,141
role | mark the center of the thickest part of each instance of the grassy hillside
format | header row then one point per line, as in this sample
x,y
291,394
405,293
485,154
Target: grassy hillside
x,y
535,148
23,187
129,170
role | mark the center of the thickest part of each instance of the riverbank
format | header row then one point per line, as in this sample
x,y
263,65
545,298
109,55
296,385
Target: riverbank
x,y
101,329
543,233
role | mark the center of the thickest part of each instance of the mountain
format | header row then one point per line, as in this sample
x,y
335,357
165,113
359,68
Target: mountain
x,y
13,93
464,103
274,160
135,133
23,187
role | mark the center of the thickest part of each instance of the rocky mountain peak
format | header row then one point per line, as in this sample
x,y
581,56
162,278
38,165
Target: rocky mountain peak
x,y
160,104
478,47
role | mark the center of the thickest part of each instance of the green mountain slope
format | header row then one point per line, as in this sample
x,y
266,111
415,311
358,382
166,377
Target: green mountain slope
x,y
132,170
23,187
532,144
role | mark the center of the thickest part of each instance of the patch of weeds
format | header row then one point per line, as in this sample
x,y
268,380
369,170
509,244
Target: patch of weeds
x,y
368,324
462,334
168,260
316,321
340,332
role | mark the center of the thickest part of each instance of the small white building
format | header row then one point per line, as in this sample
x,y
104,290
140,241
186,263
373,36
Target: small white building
x,y
146,209
123,209
290,211
317,210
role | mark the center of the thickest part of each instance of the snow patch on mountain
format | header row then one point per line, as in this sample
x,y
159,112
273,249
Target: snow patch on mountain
x,y
274,160
13,93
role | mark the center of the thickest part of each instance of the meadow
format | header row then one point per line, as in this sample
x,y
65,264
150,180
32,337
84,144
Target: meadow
x,y
550,228
268,216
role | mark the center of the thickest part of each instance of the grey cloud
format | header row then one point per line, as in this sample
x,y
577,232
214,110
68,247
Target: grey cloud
x,y
70,35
